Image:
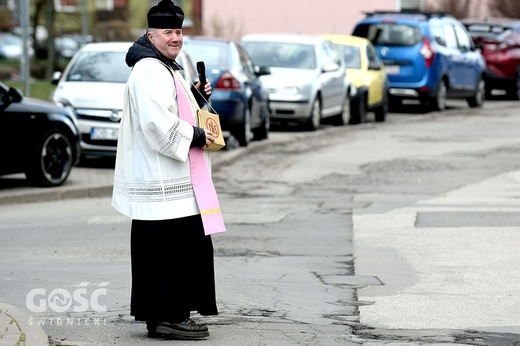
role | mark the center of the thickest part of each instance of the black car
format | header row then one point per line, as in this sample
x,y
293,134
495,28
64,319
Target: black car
x,y
37,138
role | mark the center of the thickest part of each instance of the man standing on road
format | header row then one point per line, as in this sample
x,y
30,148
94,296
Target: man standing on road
x,y
162,182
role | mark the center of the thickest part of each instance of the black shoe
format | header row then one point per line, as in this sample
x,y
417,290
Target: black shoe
x,y
185,330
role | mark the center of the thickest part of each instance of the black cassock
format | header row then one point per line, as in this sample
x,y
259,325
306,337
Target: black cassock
x,y
172,270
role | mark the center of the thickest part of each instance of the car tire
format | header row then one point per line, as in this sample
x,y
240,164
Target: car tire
x,y
395,104
477,100
381,111
243,133
344,117
314,120
514,92
358,110
262,132
438,102
52,160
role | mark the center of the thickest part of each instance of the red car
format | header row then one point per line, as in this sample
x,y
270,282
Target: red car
x,y
499,40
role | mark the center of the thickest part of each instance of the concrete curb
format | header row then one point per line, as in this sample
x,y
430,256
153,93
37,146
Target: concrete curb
x,y
17,328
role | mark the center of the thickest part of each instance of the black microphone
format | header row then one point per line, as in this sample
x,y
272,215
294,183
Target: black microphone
x,y
201,69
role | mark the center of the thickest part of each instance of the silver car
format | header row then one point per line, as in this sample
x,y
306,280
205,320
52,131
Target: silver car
x,y
307,83
93,85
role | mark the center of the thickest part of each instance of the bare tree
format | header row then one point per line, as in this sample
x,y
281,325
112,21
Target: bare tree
x,y
505,8
458,9
231,29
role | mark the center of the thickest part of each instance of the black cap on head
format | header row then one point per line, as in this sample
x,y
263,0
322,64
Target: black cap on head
x,y
165,16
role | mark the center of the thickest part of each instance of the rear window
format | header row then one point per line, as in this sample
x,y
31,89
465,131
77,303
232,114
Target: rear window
x,y
489,30
109,67
390,34
213,55
282,54
350,55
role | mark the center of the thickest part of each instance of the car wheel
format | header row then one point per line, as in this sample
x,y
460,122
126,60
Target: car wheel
x,y
514,92
262,132
52,160
358,111
344,117
243,133
314,120
438,102
381,111
477,100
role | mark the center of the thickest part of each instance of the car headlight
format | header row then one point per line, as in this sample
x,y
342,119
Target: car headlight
x,y
66,104
286,91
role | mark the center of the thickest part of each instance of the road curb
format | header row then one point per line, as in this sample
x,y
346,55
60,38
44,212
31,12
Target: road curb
x,y
18,328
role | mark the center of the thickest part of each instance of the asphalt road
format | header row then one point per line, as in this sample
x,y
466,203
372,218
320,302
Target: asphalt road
x,y
400,233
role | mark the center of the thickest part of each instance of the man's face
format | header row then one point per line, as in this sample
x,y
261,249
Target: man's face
x,y
167,41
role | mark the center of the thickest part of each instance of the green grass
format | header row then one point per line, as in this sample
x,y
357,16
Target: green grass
x,y
39,89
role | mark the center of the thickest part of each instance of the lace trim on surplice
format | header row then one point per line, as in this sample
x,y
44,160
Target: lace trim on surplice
x,y
154,191
169,143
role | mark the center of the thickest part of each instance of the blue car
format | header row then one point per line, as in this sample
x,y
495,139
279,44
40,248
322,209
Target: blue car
x,y
428,57
238,96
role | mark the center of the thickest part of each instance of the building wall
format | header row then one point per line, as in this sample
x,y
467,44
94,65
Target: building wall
x,y
234,18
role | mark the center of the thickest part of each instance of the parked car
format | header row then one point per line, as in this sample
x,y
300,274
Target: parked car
x,y
66,46
499,40
38,138
92,86
308,80
238,95
11,46
428,57
367,73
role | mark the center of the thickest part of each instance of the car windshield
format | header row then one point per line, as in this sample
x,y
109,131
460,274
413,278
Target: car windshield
x,y
390,34
213,55
282,54
107,67
350,55
489,30
10,40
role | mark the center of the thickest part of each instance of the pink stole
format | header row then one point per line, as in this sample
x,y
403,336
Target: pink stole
x,y
205,193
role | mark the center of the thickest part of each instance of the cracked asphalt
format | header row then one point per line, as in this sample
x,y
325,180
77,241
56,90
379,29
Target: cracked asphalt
x,y
401,233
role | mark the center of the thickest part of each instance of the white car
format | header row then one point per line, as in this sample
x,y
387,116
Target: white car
x,y
307,83
11,47
93,86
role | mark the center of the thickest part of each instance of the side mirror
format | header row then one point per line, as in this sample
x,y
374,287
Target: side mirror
x,y
13,95
262,70
329,67
372,66
56,77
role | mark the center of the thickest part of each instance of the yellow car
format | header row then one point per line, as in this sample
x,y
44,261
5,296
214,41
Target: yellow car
x,y
367,73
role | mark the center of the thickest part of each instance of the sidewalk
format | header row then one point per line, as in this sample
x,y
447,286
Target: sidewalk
x,y
16,328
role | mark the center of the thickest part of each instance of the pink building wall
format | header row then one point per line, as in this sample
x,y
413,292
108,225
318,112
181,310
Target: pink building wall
x,y
235,18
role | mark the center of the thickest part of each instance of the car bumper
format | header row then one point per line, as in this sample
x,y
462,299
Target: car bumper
x,y
98,138
286,110
231,112
498,80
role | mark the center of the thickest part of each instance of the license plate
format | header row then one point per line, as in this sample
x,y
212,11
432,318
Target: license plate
x,y
104,133
392,69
